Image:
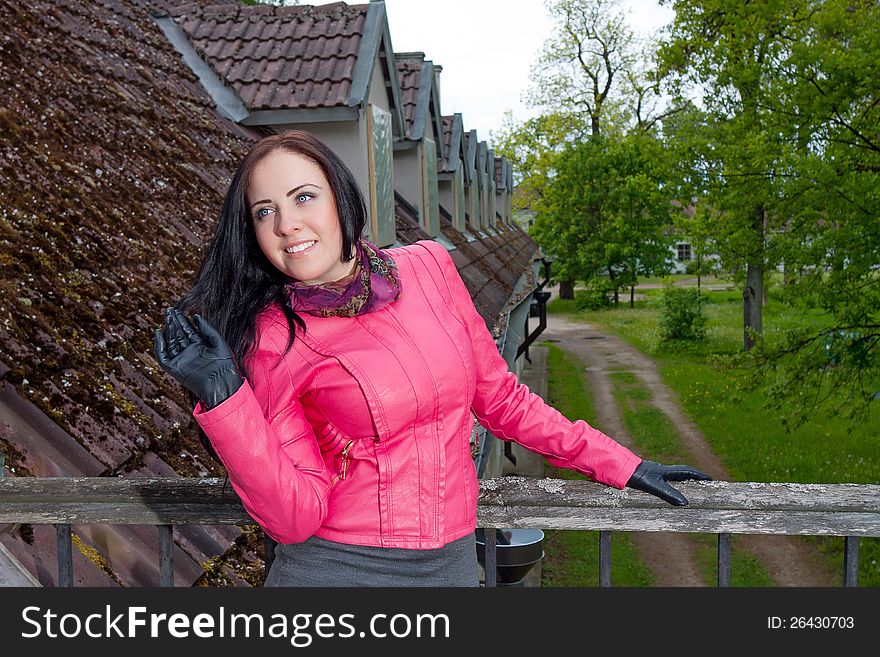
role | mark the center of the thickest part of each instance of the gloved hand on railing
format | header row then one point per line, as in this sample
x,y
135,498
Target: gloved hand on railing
x,y
198,357
651,477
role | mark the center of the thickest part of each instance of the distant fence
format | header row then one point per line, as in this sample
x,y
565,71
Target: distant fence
x,y
723,508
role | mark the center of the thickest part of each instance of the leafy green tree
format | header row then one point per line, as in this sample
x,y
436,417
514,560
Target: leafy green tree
x,y
828,104
694,219
788,157
732,52
606,210
533,147
592,73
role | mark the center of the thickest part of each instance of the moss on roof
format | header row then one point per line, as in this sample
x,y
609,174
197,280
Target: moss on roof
x,y
112,165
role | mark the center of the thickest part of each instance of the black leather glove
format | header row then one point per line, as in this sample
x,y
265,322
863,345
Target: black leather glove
x,y
651,477
198,357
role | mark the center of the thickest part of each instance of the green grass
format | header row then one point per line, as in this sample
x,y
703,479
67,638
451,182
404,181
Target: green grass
x,y
657,439
567,386
571,558
745,569
649,427
662,280
748,436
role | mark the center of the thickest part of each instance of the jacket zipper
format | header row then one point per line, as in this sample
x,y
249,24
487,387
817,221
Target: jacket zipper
x,y
344,462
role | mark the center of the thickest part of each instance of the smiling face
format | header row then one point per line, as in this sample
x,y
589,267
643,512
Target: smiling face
x,y
295,218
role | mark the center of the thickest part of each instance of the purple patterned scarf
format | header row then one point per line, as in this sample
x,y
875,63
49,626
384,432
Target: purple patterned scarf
x,y
372,285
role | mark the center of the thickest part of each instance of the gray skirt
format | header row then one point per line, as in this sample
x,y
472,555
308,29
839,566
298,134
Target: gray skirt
x,y
319,562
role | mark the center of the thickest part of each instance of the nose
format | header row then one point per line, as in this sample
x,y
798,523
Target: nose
x,y
287,222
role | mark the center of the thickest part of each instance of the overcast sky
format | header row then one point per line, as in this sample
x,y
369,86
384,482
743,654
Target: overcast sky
x,y
487,49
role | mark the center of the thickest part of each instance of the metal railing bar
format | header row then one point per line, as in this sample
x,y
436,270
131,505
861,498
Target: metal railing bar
x,y
604,559
490,560
268,553
166,555
65,555
724,553
851,561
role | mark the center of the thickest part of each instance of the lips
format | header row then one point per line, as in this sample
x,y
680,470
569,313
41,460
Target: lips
x,y
301,246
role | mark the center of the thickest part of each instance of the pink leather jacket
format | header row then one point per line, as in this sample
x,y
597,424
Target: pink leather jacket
x,y
361,432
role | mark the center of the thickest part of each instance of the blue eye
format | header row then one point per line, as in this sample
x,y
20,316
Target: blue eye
x,y
303,197
262,213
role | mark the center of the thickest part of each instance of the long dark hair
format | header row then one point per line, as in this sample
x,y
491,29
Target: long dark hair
x,y
235,281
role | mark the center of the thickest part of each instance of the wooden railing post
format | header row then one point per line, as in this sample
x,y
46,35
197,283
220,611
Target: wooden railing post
x,y
268,554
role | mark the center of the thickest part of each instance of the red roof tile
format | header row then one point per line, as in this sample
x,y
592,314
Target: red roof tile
x,y
279,57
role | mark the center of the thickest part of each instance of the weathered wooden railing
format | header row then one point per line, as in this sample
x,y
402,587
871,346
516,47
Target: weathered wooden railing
x,y
724,508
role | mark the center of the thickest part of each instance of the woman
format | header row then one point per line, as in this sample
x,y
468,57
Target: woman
x,y
339,383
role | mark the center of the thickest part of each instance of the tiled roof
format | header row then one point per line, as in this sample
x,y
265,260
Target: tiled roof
x,y
279,57
111,174
407,222
409,75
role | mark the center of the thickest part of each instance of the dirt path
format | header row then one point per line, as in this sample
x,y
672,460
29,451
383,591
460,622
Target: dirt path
x,y
789,560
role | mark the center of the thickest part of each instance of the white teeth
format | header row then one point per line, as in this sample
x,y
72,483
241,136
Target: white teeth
x,y
299,247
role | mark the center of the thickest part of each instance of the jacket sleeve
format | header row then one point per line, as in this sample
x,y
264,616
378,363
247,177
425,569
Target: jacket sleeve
x,y
271,454
512,412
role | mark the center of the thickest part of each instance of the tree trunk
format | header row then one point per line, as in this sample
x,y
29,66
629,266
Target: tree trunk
x,y
632,296
566,289
699,275
752,306
753,292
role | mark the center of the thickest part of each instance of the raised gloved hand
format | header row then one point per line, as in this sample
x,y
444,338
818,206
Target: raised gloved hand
x,y
651,477
198,357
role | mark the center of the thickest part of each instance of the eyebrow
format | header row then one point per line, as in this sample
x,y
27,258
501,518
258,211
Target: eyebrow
x,y
290,193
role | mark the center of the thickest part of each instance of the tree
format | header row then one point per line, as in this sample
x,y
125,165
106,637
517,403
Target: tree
x,y
732,51
791,135
591,72
591,51
828,105
533,147
606,210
